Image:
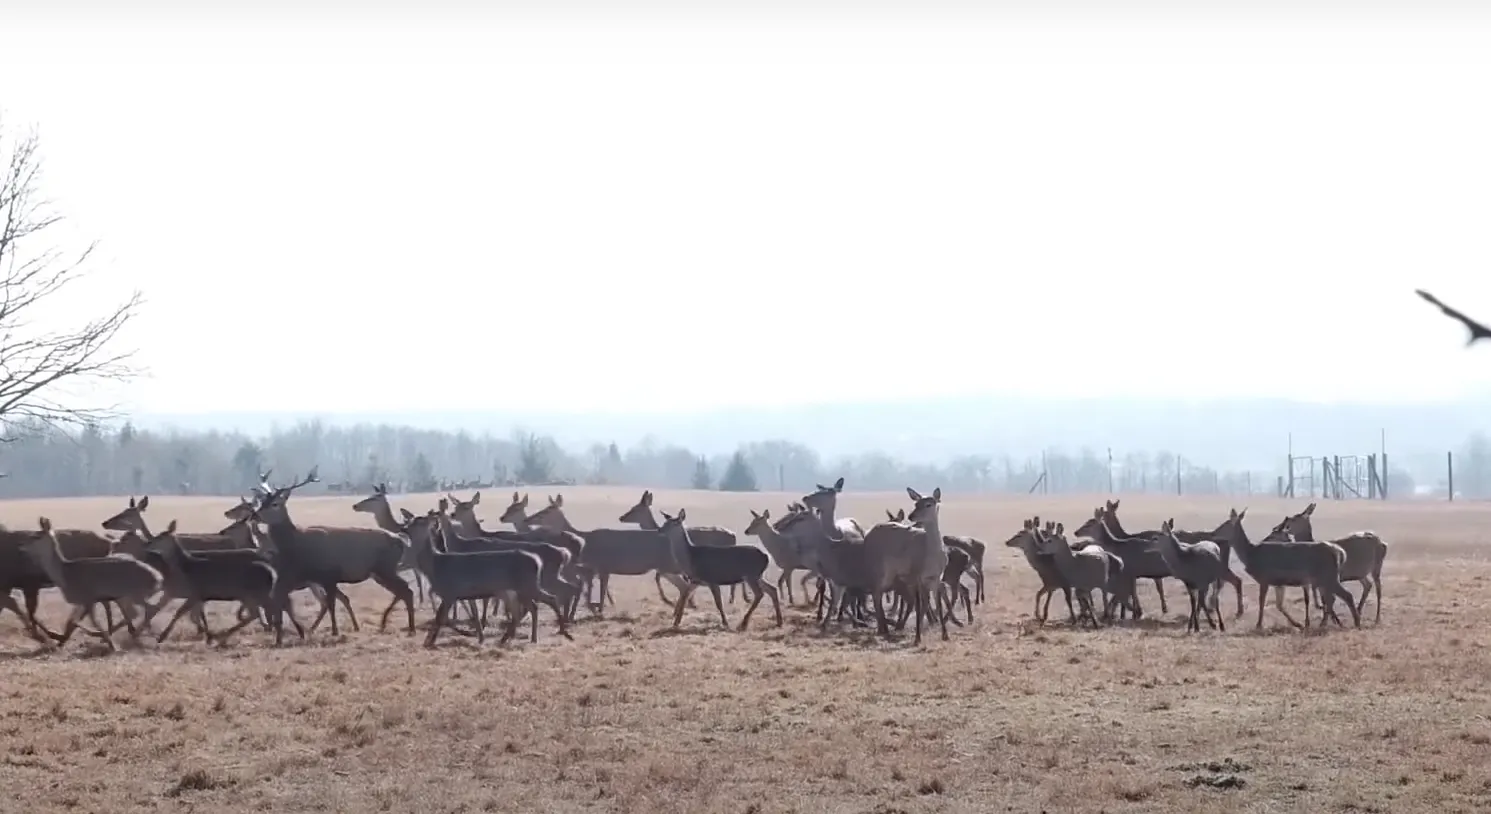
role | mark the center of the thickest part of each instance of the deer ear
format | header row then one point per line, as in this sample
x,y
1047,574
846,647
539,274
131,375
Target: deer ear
x,y
647,498
408,515
476,498
515,497
523,502
753,514
1027,524
558,501
839,485
913,494
144,503
682,513
171,527
1060,528
937,494
1310,509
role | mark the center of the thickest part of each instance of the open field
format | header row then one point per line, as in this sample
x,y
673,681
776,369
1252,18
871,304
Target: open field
x,y
1007,716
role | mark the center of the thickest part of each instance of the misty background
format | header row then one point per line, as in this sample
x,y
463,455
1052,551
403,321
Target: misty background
x,y
929,244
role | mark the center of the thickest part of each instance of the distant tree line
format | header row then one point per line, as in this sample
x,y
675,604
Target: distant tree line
x,y
43,460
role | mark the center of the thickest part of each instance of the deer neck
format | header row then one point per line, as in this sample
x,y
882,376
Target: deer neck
x,y
1238,538
1112,535
647,521
521,523
564,524
466,520
680,547
1059,549
383,516
932,525
829,512
51,560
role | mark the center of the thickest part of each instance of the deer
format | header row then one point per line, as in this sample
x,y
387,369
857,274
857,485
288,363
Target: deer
x,y
1044,566
1365,554
89,581
224,575
1201,568
1141,560
1277,565
331,556
463,514
1110,511
640,515
378,505
965,556
909,558
615,551
481,575
825,501
1083,570
555,560
714,566
516,515
136,535
85,543
244,526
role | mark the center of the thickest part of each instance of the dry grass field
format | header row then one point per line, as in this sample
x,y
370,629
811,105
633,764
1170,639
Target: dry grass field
x,y
1008,716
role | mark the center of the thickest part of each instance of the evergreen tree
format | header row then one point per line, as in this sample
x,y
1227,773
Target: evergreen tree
x,y
702,479
738,475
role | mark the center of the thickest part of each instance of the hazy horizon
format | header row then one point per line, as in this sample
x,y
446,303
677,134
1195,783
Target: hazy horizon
x,y
741,208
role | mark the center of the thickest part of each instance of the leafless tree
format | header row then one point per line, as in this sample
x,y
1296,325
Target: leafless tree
x,y
39,363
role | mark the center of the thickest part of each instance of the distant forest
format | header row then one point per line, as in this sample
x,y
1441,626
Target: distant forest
x,y
113,460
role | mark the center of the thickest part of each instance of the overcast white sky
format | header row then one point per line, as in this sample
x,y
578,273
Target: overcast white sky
x,y
683,208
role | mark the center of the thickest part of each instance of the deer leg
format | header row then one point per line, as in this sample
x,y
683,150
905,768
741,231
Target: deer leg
x,y
222,638
186,607
1159,587
441,612
605,591
1279,603
880,624
7,600
657,577
1236,582
1377,592
944,597
683,598
395,584
715,591
32,597
1356,617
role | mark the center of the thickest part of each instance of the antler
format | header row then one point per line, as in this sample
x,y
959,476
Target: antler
x,y
312,477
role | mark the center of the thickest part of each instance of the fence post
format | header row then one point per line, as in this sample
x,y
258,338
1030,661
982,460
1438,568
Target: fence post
x,y
1449,465
1177,475
1110,470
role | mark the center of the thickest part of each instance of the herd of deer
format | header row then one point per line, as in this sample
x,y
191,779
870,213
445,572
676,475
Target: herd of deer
x,y
262,557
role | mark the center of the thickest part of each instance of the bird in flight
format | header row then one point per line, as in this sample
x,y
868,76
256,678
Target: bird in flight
x,y
1477,330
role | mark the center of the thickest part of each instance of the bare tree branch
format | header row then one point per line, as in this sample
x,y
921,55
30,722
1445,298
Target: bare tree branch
x,y
37,365
1477,330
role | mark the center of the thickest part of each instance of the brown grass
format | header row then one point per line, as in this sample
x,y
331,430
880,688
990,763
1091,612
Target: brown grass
x,y
1007,716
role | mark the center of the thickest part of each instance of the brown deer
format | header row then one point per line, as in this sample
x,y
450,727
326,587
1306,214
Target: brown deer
x,y
332,556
